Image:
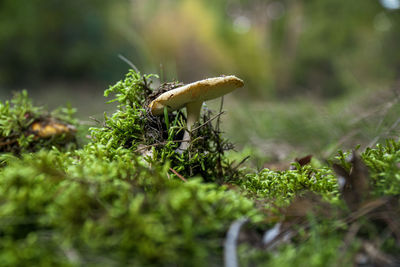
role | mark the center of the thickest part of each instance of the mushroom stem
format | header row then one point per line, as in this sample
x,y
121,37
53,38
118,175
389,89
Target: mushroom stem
x,y
193,114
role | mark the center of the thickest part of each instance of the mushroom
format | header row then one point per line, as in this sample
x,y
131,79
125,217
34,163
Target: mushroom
x,y
46,128
192,97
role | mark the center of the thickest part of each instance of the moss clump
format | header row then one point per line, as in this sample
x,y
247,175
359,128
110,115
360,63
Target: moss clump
x,y
109,211
338,232
318,246
133,127
109,203
27,128
283,186
384,164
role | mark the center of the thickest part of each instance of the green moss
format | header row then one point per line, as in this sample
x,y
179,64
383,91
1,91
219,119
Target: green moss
x,y
108,204
321,247
283,186
110,211
317,246
133,127
384,164
19,115
323,239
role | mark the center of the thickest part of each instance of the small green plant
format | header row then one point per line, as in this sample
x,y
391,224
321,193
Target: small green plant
x,y
283,186
83,208
332,233
133,127
116,202
25,127
384,164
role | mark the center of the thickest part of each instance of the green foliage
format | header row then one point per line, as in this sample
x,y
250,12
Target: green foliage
x,y
283,186
17,115
384,164
16,119
133,127
319,247
109,203
293,48
321,237
132,91
90,210
125,128
80,42
303,126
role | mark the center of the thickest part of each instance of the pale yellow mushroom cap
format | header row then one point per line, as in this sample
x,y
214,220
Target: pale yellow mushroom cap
x,y
194,92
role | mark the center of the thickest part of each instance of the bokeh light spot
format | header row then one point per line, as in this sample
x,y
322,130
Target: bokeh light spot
x,y
241,24
390,4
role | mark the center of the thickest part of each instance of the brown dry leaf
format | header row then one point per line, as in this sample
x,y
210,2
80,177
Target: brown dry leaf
x,y
296,215
282,166
304,160
302,206
355,189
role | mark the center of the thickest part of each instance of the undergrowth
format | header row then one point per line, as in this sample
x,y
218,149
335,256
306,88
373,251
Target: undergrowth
x,y
384,163
283,186
133,127
123,199
85,209
27,128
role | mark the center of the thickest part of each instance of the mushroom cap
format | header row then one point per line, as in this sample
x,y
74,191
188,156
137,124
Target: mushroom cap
x,y
49,128
202,90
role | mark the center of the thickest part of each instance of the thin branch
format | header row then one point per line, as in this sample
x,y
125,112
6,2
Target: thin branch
x,y
177,174
127,61
205,123
160,144
220,111
8,142
240,163
95,120
393,127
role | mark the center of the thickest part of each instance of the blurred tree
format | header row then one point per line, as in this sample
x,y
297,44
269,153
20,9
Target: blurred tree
x,y
53,39
279,47
320,43
194,39
388,25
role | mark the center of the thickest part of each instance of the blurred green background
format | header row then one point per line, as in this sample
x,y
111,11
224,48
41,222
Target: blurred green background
x,y
319,75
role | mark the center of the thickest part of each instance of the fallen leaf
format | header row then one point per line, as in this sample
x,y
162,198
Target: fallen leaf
x,y
355,183
304,160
